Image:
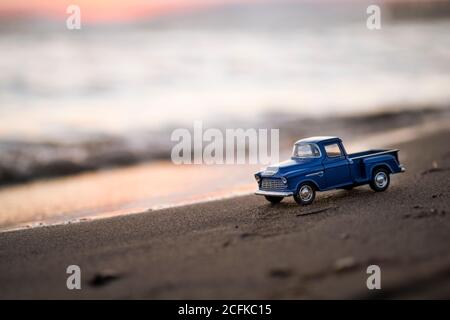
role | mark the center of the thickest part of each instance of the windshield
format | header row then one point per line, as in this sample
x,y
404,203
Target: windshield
x,y
305,150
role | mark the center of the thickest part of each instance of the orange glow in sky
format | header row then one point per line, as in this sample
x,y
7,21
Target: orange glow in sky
x,y
120,10
104,10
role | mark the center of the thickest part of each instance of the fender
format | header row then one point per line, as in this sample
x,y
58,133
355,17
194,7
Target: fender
x,y
371,164
381,165
308,180
296,173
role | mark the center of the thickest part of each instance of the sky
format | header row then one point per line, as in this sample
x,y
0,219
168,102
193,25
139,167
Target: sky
x,y
118,10
105,10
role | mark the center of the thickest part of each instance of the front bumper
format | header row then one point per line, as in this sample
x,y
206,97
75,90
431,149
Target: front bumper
x,y
274,193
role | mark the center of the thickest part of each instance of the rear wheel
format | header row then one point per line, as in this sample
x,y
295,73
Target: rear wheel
x,y
305,194
273,199
380,180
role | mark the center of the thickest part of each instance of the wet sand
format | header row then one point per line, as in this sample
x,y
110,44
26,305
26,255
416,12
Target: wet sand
x,y
245,248
120,191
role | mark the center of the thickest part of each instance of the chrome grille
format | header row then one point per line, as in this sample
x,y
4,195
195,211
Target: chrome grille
x,y
272,184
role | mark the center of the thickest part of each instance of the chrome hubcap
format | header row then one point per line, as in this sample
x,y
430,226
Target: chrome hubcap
x,y
306,193
381,179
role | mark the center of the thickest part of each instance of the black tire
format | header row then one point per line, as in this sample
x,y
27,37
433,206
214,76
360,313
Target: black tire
x,y
273,199
380,180
305,194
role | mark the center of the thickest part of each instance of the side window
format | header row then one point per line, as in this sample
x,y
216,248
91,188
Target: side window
x,y
333,150
315,150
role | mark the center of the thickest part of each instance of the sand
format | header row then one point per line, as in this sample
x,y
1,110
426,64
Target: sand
x,y
246,248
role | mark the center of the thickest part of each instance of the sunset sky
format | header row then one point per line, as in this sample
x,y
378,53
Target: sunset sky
x,y
105,10
118,10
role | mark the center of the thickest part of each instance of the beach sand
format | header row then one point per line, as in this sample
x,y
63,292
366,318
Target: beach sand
x,y
244,247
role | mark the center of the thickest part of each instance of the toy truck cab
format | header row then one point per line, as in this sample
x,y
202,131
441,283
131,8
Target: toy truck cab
x,y
321,164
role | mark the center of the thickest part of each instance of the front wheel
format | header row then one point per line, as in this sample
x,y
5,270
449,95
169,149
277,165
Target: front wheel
x,y
380,180
273,199
305,194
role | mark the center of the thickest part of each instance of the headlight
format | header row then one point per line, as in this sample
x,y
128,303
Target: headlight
x,y
284,180
257,178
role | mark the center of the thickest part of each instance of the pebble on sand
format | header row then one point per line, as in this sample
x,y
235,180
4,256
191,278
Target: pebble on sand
x,y
344,264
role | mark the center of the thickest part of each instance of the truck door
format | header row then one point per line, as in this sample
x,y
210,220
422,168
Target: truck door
x,y
336,166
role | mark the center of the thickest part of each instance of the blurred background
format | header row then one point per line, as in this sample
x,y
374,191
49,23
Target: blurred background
x,y
109,95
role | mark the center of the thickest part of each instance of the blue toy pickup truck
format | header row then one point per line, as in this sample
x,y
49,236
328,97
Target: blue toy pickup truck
x,y
320,164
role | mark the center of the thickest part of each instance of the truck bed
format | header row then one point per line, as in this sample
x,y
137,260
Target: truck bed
x,y
363,161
